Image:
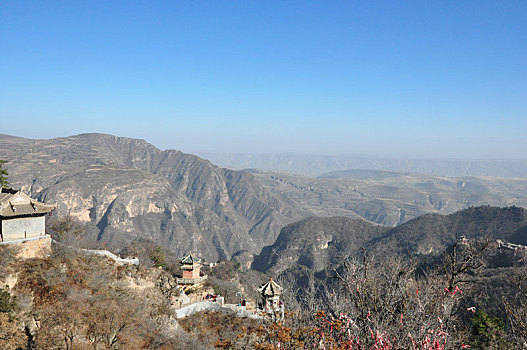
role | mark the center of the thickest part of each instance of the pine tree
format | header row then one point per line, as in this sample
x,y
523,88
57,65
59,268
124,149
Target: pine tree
x,y
488,331
3,175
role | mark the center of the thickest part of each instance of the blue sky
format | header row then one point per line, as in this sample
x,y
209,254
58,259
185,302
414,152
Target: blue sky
x,y
414,78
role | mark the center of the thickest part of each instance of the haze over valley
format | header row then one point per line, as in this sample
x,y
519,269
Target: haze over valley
x,y
316,164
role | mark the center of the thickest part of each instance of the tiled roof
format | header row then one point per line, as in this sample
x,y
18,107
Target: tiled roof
x,y
15,203
189,259
271,288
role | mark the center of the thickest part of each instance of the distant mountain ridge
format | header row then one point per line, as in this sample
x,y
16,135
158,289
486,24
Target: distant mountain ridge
x,y
392,198
314,164
359,174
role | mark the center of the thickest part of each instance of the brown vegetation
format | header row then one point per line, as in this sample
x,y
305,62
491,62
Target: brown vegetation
x,y
72,301
79,302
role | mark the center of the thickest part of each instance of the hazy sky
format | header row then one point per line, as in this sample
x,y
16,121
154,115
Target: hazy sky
x,y
418,78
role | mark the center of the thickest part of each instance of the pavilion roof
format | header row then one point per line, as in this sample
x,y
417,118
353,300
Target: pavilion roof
x,y
190,259
15,203
271,288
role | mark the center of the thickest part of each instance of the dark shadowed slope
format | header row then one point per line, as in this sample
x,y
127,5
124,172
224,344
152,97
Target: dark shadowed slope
x,y
431,233
316,243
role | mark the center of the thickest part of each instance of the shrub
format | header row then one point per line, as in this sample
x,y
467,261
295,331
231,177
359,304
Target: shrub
x,y
7,301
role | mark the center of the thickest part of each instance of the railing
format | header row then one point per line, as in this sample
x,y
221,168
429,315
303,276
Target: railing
x,y
511,245
20,239
117,259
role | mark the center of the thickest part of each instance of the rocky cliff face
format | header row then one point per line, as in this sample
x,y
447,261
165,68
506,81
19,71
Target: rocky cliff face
x,y
125,189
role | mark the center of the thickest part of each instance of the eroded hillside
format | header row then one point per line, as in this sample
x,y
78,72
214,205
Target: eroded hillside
x,y
391,198
125,189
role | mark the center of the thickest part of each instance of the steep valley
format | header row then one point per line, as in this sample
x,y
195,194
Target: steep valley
x,y
125,189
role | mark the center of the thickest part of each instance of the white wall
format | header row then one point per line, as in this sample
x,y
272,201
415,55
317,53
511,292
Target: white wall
x,y
15,228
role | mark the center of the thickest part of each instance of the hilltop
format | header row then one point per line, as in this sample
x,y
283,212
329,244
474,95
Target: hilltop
x,y
316,243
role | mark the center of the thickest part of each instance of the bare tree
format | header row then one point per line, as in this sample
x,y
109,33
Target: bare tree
x,y
68,230
516,307
462,258
380,305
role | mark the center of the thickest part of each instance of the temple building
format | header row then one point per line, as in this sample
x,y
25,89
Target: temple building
x,y
271,305
191,267
21,216
23,223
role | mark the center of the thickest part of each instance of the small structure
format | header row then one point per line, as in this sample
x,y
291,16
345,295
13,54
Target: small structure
x,y
191,267
271,304
23,223
21,217
462,240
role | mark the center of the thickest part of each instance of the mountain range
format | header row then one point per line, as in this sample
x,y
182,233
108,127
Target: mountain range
x,y
125,189
392,198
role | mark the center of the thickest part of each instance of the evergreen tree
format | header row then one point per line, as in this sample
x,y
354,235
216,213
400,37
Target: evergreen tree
x,y
487,331
3,175
7,301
